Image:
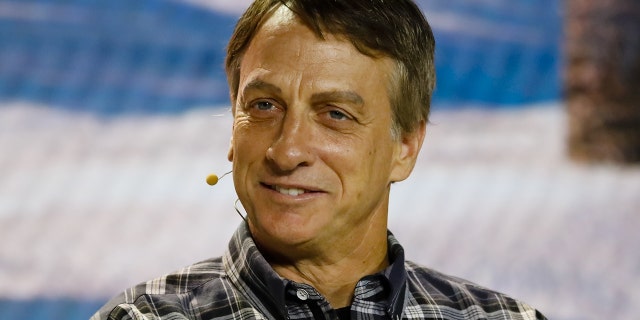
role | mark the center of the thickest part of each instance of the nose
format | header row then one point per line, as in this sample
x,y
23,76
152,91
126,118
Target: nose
x,y
292,147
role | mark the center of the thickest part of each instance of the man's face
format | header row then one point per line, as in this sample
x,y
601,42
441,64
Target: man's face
x,y
312,151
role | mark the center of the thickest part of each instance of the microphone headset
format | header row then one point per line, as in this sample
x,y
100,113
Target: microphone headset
x,y
213,179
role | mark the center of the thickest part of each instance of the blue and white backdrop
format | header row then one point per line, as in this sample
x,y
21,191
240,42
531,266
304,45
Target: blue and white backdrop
x,y
112,112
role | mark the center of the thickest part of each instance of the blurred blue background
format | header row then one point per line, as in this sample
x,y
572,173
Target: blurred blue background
x,y
161,56
106,119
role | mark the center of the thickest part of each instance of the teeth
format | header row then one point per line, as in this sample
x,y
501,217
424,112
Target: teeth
x,y
291,192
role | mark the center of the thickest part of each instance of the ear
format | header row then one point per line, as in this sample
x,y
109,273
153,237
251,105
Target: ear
x,y
233,126
230,153
407,153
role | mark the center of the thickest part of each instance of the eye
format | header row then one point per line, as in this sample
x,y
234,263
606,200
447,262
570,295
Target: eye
x,y
338,115
264,105
263,108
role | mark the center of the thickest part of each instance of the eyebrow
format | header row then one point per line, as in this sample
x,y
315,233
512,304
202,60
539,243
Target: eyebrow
x,y
350,97
334,95
258,84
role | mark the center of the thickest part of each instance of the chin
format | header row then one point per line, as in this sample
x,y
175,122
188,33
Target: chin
x,y
285,235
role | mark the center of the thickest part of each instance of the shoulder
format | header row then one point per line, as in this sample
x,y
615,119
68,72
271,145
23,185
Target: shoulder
x,y
182,281
433,292
171,294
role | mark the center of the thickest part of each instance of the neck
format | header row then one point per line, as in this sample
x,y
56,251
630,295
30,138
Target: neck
x,y
335,273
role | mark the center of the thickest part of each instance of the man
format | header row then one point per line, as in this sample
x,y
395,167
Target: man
x,y
330,102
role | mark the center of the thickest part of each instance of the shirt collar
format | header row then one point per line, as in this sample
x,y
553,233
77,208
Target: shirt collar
x,y
396,276
247,267
249,270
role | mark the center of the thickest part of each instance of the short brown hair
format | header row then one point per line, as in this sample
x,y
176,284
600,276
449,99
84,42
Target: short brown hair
x,y
393,28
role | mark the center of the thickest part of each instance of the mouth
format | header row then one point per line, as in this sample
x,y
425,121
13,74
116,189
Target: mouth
x,y
290,191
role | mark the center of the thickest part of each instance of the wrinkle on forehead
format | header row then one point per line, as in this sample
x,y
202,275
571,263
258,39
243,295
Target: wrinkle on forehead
x,y
283,29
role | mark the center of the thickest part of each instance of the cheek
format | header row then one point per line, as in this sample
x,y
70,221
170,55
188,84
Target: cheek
x,y
242,132
354,164
378,159
249,143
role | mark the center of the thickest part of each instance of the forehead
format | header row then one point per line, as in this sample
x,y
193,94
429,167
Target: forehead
x,y
284,36
284,46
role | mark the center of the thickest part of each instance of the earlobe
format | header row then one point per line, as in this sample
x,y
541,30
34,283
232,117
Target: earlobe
x,y
230,153
233,126
409,148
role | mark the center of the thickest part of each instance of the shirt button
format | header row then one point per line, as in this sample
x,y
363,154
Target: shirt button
x,y
302,294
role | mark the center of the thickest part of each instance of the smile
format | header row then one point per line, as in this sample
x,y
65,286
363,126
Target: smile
x,y
289,191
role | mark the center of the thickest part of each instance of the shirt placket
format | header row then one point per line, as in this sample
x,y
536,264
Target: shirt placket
x,y
305,302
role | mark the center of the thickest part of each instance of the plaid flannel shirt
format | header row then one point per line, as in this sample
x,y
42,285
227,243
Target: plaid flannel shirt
x,y
242,285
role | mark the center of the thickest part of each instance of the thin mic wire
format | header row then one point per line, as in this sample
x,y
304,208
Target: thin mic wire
x,y
235,206
226,173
